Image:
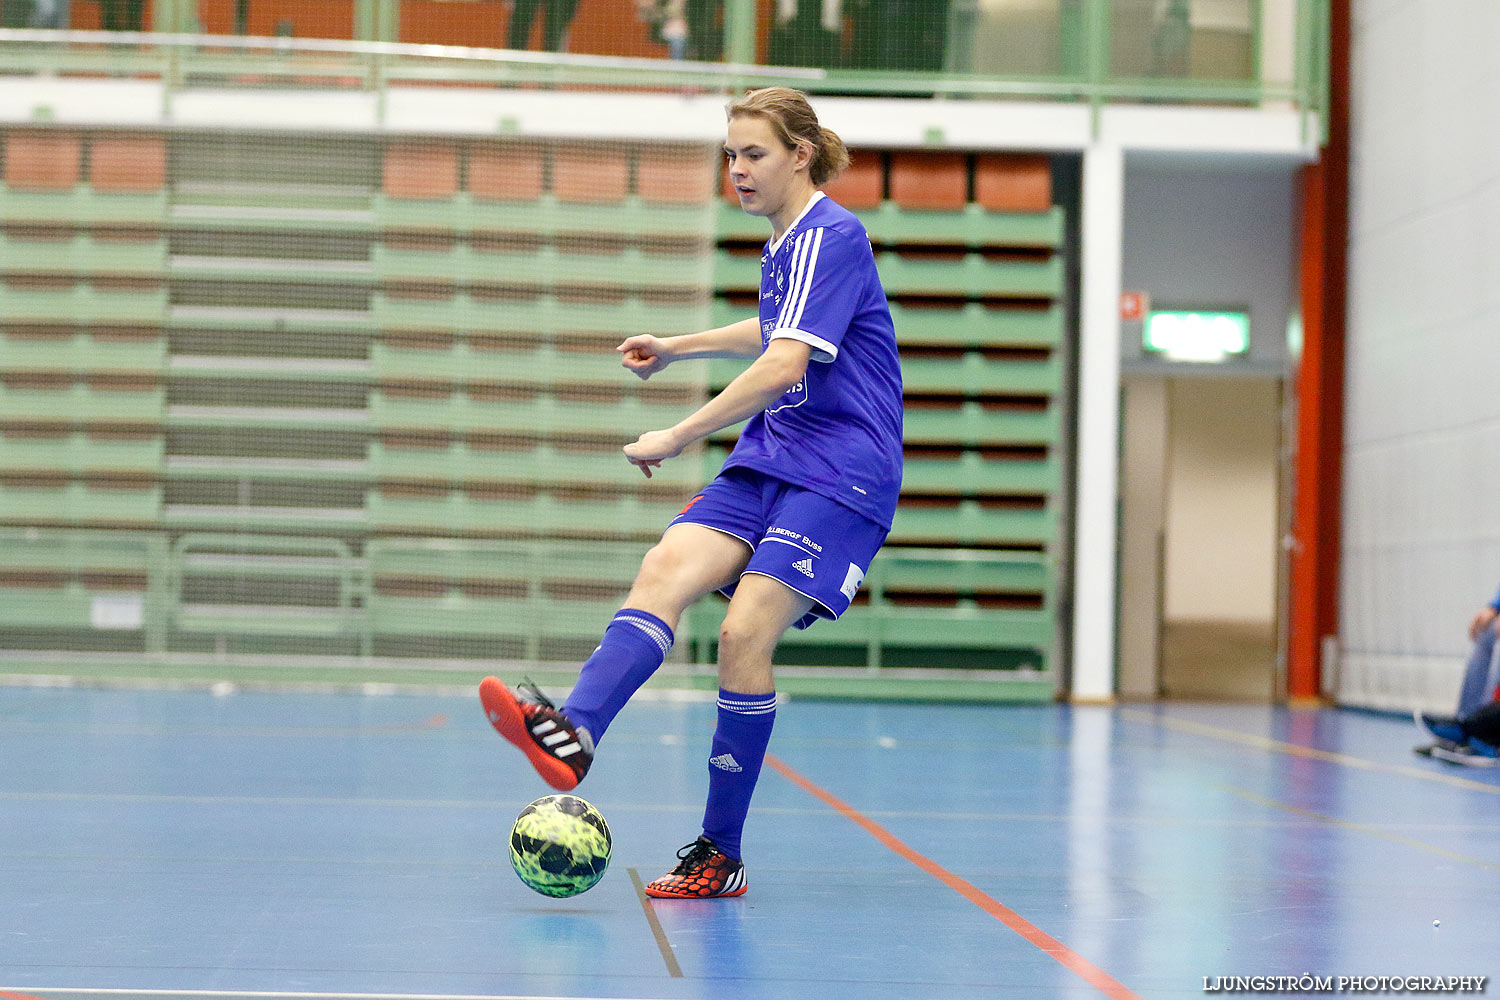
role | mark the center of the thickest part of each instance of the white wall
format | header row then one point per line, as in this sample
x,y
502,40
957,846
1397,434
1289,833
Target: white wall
x,y
1421,547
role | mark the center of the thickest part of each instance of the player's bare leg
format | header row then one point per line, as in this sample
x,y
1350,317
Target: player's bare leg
x,y
761,611
688,562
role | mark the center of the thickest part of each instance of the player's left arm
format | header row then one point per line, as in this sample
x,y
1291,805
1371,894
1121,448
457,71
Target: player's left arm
x,y
781,366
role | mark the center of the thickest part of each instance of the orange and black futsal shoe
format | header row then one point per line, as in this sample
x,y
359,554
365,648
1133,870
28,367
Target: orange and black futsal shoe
x,y
560,752
705,872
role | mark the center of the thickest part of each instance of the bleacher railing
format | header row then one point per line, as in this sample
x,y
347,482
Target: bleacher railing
x,y
1096,53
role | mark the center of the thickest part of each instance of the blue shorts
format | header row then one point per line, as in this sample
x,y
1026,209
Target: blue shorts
x,y
813,545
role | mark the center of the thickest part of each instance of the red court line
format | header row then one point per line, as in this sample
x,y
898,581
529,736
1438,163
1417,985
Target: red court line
x,y
1055,949
17,996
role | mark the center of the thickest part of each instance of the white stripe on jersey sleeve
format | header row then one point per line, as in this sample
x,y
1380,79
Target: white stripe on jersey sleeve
x,y
822,350
816,241
799,254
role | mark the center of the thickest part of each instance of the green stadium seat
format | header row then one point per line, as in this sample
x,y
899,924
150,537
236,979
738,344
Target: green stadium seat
x,y
86,254
541,464
973,374
620,516
971,474
77,402
81,205
963,626
959,571
96,303
30,350
542,267
546,217
79,502
79,453
55,579
733,225
971,275
974,324
971,226
972,424
261,518
540,313
528,413
525,589
972,522
521,361
736,271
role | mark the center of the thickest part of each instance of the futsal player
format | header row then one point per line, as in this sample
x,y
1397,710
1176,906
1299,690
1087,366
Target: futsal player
x,y
788,528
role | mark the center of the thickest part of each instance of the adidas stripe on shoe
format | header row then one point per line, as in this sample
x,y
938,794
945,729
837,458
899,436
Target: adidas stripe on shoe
x,y
703,872
560,752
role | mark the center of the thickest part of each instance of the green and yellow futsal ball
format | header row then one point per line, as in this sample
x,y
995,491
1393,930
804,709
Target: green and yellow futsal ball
x,y
560,845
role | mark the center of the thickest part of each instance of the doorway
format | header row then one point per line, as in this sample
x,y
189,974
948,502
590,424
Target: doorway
x,y
1200,564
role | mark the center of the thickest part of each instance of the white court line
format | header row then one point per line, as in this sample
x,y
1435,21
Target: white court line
x,y
311,996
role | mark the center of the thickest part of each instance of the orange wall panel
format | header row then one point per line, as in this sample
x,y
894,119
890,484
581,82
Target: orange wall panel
x,y
505,173
429,170
1013,183
128,163
931,181
47,161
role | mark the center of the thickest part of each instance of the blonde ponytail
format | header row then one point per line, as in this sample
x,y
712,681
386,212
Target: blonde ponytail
x,y
831,158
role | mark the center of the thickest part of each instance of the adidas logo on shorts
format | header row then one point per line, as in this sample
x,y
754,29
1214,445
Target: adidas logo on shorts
x,y
726,762
804,566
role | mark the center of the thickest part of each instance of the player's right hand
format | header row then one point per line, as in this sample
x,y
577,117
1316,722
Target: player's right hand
x,y
1483,619
644,354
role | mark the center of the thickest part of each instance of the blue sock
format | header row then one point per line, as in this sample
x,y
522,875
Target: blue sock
x,y
739,748
634,645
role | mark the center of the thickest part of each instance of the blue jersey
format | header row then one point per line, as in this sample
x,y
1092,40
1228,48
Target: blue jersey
x,y
838,431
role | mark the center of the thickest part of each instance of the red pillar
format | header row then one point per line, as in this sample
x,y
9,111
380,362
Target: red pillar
x,y
1318,473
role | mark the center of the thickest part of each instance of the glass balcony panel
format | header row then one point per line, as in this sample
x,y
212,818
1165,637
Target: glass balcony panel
x,y
1183,39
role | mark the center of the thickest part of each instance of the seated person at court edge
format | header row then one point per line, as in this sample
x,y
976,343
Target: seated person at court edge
x,y
1480,690
1475,738
789,526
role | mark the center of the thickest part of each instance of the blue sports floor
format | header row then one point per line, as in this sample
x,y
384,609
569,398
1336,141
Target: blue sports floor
x,y
181,844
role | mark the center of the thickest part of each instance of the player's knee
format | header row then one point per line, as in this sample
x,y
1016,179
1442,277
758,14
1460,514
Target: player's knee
x,y
661,564
742,641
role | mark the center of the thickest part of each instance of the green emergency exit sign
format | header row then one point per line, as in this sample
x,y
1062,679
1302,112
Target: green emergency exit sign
x,y
1197,335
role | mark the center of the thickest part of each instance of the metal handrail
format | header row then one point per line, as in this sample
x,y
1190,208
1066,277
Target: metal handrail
x,y
280,45
376,64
